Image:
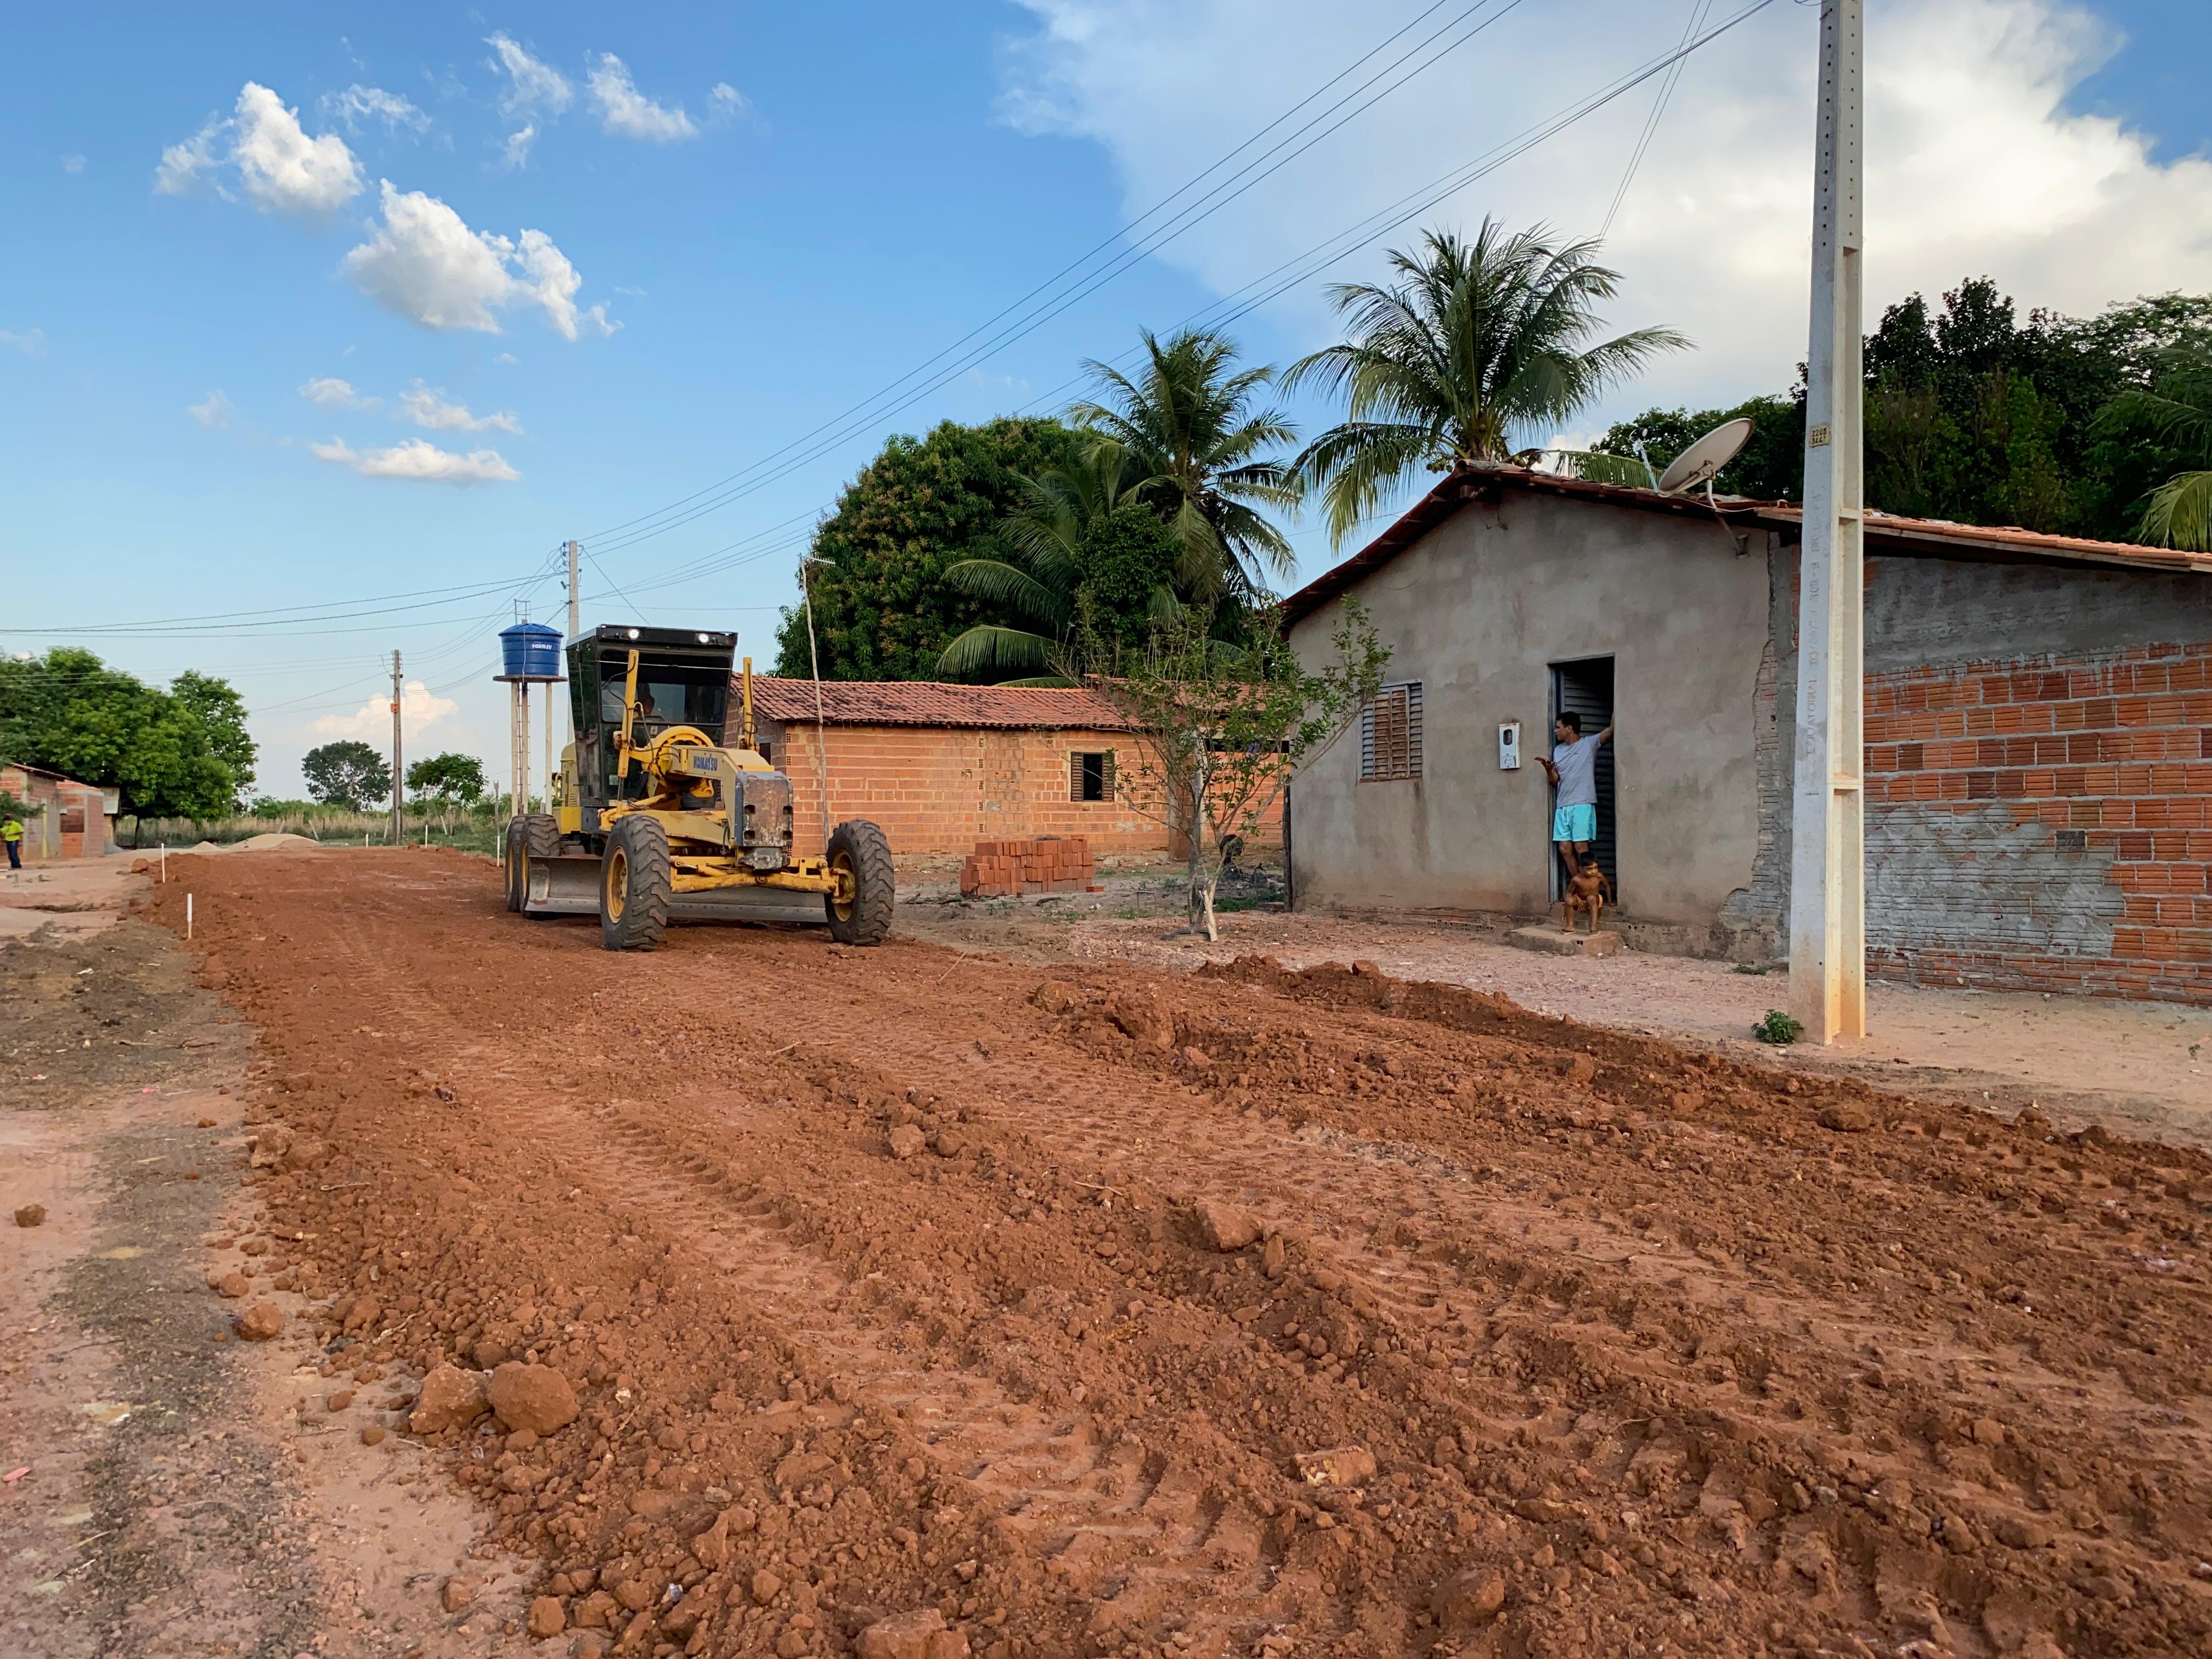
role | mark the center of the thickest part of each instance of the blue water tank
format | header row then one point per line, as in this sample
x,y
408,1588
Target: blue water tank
x,y
530,650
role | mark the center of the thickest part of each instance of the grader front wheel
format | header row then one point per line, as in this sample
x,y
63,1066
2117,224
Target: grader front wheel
x,y
634,881
860,912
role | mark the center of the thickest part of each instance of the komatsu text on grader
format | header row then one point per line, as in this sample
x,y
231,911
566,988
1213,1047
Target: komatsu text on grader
x,y
657,818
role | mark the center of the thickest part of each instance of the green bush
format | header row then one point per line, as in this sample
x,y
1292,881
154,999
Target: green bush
x,y
1778,1028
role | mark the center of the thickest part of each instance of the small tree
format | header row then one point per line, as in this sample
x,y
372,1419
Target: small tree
x,y
348,774
1223,727
450,781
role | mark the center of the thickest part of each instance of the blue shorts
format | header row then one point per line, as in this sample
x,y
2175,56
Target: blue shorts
x,y
1575,822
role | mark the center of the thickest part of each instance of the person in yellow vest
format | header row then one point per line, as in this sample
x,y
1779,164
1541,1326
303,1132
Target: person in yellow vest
x,y
11,831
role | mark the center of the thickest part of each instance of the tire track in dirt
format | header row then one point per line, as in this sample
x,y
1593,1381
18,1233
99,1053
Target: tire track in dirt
x,y
1622,1328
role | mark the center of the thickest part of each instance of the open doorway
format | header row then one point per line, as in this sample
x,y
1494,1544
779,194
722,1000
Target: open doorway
x,y
1586,688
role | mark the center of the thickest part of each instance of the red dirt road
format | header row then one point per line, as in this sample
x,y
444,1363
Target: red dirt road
x,y
1649,1353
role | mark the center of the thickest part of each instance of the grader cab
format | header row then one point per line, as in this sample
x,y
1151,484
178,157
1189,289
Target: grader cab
x,y
661,815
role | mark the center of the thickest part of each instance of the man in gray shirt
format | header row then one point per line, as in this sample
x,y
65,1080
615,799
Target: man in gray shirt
x,y
1572,769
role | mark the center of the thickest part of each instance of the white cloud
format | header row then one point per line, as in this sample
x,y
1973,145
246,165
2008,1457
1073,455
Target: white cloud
x,y
358,103
72,164
330,392
532,84
183,163
1975,164
32,342
372,722
624,109
507,357
515,152
419,462
283,169
725,103
427,407
424,263
213,414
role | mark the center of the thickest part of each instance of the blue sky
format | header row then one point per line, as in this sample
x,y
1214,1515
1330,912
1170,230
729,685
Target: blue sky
x,y
256,350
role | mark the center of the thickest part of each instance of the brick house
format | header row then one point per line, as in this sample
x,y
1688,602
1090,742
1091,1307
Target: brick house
x,y
67,819
943,767
2038,732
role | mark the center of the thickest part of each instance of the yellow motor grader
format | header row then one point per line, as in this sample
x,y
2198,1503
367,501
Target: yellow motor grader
x,y
657,819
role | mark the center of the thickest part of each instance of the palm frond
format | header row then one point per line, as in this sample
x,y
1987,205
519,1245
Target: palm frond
x,y
2179,513
985,649
997,582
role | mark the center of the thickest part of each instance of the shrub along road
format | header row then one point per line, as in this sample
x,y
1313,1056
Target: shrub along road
x,y
845,1295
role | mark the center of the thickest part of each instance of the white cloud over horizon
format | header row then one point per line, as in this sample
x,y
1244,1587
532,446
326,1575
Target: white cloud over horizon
x,y
358,104
1975,165
624,110
416,461
425,264
532,84
427,407
280,168
331,392
372,722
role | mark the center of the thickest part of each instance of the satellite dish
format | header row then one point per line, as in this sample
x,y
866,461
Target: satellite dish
x,y
1702,461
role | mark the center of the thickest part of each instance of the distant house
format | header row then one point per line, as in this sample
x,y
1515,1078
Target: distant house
x,y
2038,740
67,819
942,767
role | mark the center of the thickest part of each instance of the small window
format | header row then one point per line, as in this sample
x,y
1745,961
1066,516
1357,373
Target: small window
x,y
1390,734
1090,774
765,751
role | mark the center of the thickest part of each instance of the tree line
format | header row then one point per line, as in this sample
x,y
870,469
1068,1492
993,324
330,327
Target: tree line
x,y
977,552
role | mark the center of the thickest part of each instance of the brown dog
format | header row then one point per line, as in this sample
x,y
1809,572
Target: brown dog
x,y
1587,890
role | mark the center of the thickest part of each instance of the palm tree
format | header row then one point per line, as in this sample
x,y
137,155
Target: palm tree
x,y
1051,537
1199,456
2178,414
1474,340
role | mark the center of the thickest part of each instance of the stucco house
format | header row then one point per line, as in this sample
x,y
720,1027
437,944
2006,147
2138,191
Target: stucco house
x,y
2038,732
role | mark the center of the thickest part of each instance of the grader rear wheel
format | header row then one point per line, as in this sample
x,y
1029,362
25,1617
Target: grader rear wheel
x,y
635,882
862,915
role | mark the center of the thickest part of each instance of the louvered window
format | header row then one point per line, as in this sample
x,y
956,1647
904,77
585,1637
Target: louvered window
x,y
1390,734
1090,774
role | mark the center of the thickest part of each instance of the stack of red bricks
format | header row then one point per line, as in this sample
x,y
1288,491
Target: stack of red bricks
x,y
1000,869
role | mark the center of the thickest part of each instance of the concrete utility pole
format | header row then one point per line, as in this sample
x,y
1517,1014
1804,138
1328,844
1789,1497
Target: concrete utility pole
x,y
1827,867
397,782
575,597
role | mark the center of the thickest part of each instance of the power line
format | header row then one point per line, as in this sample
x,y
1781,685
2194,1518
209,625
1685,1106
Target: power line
x,y
864,415
1698,10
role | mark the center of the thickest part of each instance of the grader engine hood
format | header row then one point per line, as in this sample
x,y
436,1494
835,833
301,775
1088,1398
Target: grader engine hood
x,y
760,818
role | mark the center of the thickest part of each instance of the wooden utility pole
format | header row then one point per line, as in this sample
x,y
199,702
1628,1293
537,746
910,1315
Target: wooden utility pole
x,y
1827,866
397,782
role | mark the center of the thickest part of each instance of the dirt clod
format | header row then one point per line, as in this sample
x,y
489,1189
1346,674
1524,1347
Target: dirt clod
x,y
536,1397
1846,1120
259,1322
1468,1598
1342,1465
30,1215
458,1592
450,1399
1224,1226
547,1617
766,1587
906,1141
904,1636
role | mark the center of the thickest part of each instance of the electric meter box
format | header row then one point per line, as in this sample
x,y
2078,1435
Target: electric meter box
x,y
1509,746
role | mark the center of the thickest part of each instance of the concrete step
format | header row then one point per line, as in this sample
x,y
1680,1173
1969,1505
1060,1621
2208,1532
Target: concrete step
x,y
1557,942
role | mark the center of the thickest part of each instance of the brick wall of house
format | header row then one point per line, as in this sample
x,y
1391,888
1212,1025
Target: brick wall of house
x,y
2044,823
67,819
941,789
937,789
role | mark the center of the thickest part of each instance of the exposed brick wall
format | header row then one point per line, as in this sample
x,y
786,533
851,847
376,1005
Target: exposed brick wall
x,y
2044,823
55,804
937,789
